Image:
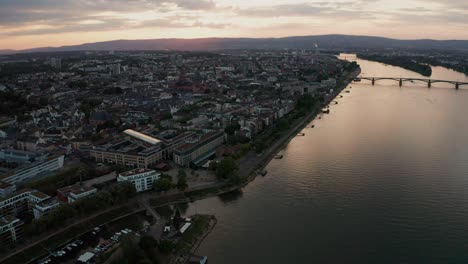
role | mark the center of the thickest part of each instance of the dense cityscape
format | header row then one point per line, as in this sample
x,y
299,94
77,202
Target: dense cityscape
x,y
226,132
85,131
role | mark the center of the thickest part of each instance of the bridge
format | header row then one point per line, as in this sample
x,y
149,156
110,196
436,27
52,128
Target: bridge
x,y
429,82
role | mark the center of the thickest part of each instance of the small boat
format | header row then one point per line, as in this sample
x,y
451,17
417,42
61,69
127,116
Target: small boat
x,y
341,96
347,91
263,172
301,134
278,156
312,126
326,111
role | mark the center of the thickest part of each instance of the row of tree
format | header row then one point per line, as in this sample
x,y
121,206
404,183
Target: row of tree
x,y
117,194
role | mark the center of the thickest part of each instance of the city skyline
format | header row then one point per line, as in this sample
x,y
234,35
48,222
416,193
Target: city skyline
x,y
28,24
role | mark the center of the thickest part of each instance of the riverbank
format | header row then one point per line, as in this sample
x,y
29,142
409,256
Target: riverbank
x,y
201,228
255,162
403,62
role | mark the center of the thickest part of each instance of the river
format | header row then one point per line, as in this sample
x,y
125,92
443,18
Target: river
x,y
382,179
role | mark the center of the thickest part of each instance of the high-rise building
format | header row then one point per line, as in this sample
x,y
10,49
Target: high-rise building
x,y
115,69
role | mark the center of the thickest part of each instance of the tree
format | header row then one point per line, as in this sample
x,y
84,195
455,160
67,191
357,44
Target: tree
x,y
259,146
232,128
148,243
182,183
82,173
227,169
283,124
122,191
181,173
166,246
162,185
213,165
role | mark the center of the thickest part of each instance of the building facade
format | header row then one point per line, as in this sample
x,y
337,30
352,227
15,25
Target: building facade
x,y
10,231
198,148
33,170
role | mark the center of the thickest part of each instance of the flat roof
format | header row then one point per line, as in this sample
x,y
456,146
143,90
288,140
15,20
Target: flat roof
x,y
141,136
135,171
7,219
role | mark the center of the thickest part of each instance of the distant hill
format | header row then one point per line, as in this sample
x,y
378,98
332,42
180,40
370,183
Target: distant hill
x,y
323,41
7,51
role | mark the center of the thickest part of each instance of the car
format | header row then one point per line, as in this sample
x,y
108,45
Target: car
x,y
73,245
79,242
118,234
44,260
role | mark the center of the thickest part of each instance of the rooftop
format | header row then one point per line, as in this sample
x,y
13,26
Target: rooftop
x,y
141,136
76,189
195,141
7,219
134,172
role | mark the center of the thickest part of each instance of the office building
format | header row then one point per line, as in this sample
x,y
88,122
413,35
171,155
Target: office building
x,y
10,231
142,179
75,192
198,148
33,170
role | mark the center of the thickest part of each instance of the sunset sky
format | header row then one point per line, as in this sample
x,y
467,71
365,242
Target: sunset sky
x,y
36,23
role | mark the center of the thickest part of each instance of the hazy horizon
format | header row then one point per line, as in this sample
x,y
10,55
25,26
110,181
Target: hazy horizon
x,y
28,24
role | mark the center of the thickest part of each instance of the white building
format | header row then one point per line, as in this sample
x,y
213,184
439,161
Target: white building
x,y
142,179
115,69
43,208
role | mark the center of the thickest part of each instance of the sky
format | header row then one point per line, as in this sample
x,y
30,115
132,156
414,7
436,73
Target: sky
x,y
39,23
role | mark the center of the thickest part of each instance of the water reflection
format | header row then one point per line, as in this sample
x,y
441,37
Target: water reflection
x,y
382,179
231,197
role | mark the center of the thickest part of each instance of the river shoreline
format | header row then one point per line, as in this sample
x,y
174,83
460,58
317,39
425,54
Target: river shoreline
x,y
250,175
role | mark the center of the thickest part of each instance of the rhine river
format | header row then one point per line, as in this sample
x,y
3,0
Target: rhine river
x,y
382,179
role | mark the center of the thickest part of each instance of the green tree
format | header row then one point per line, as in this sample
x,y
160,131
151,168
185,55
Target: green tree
x,y
166,246
227,169
147,243
283,124
122,191
213,165
181,173
163,184
182,183
259,146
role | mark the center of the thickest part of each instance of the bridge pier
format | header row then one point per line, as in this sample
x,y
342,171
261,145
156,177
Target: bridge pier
x,y
401,82
429,84
373,81
457,86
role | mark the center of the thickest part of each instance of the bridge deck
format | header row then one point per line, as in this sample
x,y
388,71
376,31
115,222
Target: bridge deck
x,y
412,79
